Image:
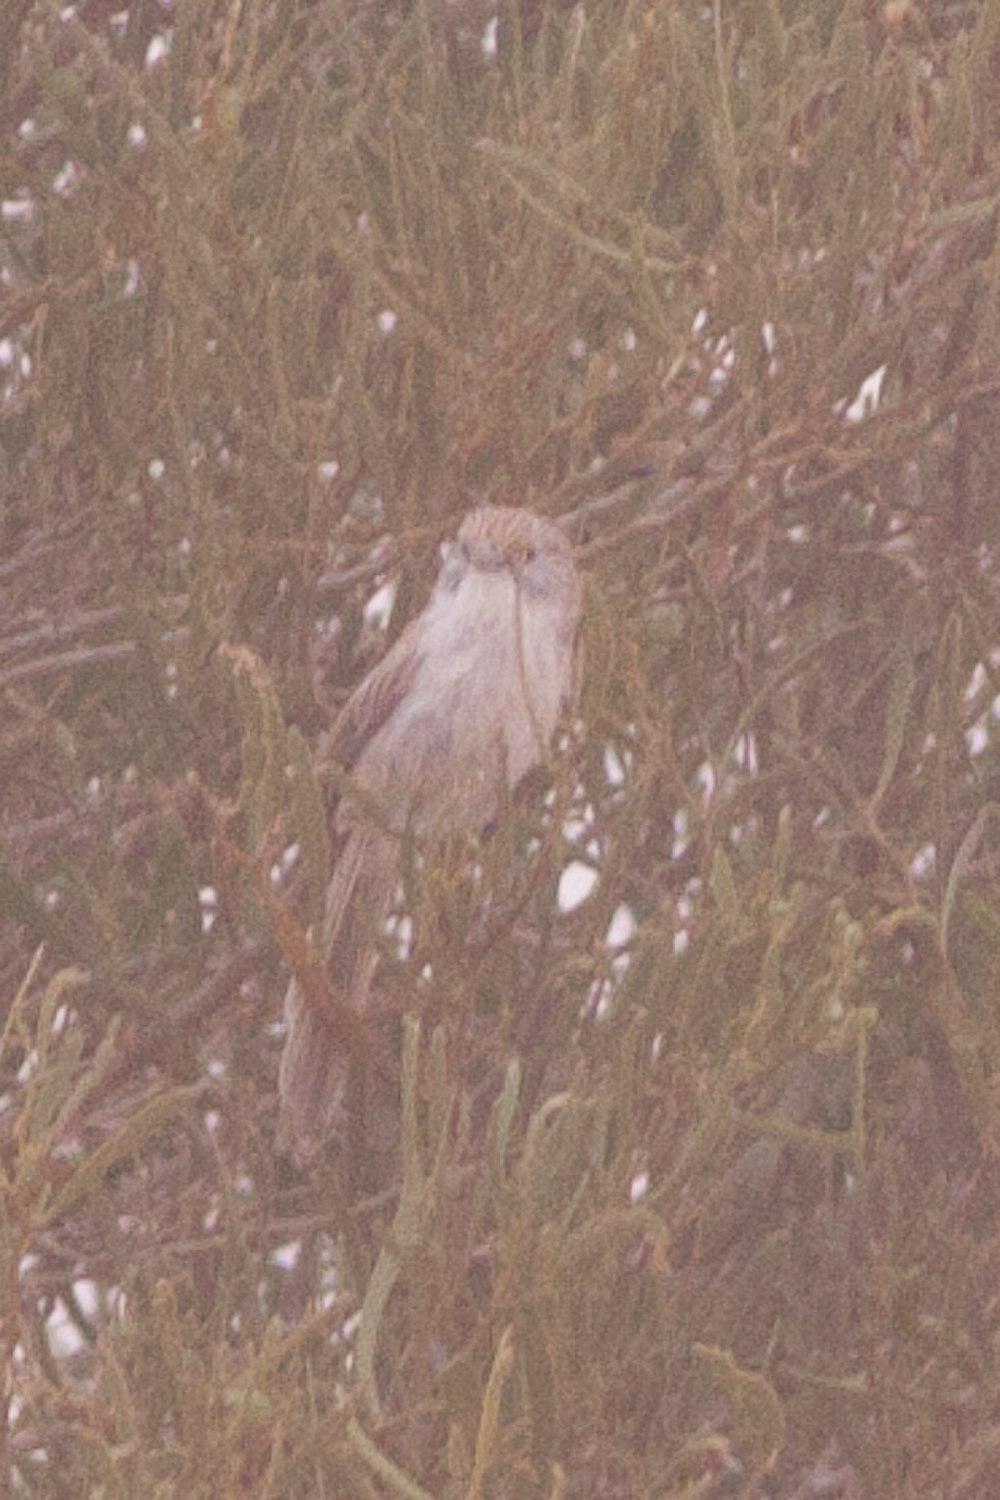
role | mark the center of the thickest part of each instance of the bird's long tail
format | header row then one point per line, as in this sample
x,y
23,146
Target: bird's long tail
x,y
313,1073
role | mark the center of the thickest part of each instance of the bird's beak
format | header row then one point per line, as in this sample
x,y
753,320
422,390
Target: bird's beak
x,y
486,556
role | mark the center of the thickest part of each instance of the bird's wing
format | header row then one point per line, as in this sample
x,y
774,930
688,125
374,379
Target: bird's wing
x,y
373,701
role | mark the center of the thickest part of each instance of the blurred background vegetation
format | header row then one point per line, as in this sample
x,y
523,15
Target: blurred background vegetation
x,y
689,1185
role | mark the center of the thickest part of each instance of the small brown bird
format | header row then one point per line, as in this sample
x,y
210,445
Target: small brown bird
x,y
467,698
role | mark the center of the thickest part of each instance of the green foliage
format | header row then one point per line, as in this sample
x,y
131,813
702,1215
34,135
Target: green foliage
x,y
713,1208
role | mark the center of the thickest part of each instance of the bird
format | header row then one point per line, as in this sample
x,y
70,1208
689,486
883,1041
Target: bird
x,y
461,707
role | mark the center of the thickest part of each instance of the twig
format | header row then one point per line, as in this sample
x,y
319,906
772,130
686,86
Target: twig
x,y
83,656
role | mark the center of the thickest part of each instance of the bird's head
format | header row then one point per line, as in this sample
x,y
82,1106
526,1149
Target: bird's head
x,y
497,539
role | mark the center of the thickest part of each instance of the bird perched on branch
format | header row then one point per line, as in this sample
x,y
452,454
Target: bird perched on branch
x,y
465,701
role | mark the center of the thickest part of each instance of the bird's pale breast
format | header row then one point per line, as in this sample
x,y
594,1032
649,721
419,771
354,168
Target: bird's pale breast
x,y
494,671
